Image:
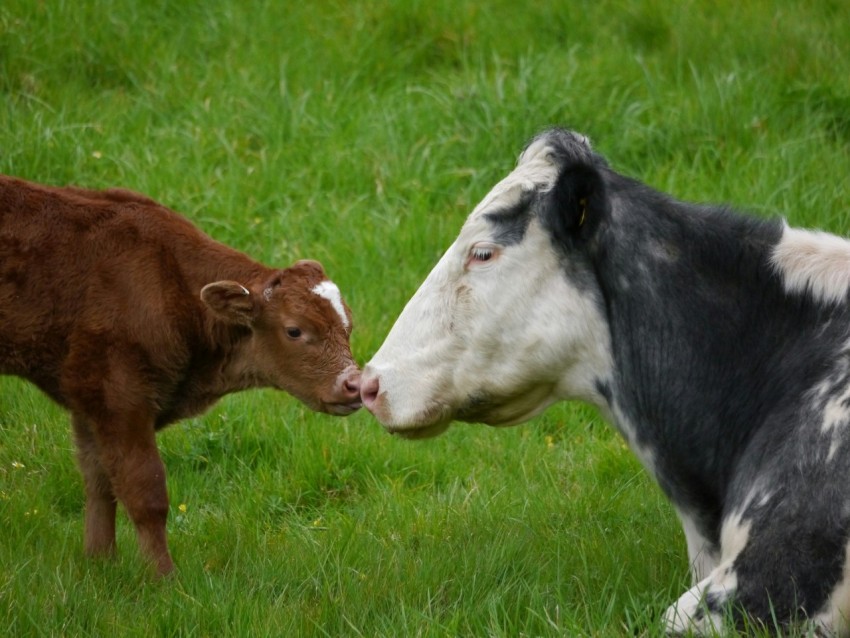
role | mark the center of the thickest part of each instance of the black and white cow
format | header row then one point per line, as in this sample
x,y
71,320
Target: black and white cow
x,y
718,344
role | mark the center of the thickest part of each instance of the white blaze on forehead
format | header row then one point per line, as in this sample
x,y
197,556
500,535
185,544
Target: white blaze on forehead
x,y
328,290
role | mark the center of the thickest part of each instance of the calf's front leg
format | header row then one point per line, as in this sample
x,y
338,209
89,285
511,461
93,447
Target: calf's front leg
x,y
128,453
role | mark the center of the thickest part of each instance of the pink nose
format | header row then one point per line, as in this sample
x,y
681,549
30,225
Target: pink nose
x,y
351,385
369,391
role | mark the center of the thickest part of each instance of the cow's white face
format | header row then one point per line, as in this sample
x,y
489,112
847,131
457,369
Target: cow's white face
x,y
498,330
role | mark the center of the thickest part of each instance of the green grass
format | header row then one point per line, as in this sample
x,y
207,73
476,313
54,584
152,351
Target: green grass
x,y
362,134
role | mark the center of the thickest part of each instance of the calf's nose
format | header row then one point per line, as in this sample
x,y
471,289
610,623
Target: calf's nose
x,y
351,385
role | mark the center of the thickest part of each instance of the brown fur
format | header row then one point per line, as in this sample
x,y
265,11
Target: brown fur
x,y
126,314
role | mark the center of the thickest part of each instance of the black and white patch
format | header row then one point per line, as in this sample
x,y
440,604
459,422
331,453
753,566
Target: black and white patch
x,y
731,382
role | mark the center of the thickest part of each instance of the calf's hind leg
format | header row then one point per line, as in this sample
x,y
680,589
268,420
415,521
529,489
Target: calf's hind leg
x,y
100,498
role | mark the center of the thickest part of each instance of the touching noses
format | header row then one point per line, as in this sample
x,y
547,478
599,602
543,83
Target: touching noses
x,y
346,393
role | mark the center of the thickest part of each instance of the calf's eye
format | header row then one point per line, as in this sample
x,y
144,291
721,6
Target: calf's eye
x,y
293,333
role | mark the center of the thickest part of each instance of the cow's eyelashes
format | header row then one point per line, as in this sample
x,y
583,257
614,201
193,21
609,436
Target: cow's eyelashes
x,y
481,254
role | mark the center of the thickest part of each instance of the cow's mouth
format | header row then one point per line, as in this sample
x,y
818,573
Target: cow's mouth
x,y
428,423
424,432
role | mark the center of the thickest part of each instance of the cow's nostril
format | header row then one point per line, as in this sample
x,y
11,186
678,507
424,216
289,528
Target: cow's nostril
x,y
369,391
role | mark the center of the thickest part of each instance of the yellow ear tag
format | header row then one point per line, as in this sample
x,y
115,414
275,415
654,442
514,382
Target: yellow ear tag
x,y
583,203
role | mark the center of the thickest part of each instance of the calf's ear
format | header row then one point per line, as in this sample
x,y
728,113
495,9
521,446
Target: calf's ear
x,y
229,300
310,264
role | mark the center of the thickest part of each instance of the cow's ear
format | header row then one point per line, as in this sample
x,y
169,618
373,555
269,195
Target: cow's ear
x,y
230,301
576,201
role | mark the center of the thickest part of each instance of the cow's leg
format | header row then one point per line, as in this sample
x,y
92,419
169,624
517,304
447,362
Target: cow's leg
x,y
100,498
702,554
130,457
714,605
700,610
785,562
834,617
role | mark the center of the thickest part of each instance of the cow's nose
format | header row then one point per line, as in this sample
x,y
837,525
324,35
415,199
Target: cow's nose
x,y
369,391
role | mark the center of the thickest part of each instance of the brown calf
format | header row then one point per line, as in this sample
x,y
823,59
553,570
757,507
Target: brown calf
x,y
126,314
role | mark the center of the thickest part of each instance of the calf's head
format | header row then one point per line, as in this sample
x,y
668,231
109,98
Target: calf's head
x,y
510,319
298,330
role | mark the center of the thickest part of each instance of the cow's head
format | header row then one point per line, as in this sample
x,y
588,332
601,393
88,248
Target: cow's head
x,y
510,319
297,340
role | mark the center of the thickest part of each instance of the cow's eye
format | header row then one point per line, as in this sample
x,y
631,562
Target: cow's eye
x,y
481,254
293,333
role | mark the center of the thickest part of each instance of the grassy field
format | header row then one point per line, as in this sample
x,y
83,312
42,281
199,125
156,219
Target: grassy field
x,y
361,134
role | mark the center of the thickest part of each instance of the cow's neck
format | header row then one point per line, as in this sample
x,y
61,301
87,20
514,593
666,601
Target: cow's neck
x,y
700,327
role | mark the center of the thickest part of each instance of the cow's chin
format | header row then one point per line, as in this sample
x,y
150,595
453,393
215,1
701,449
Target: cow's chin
x,y
501,417
479,409
513,408
424,423
420,432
